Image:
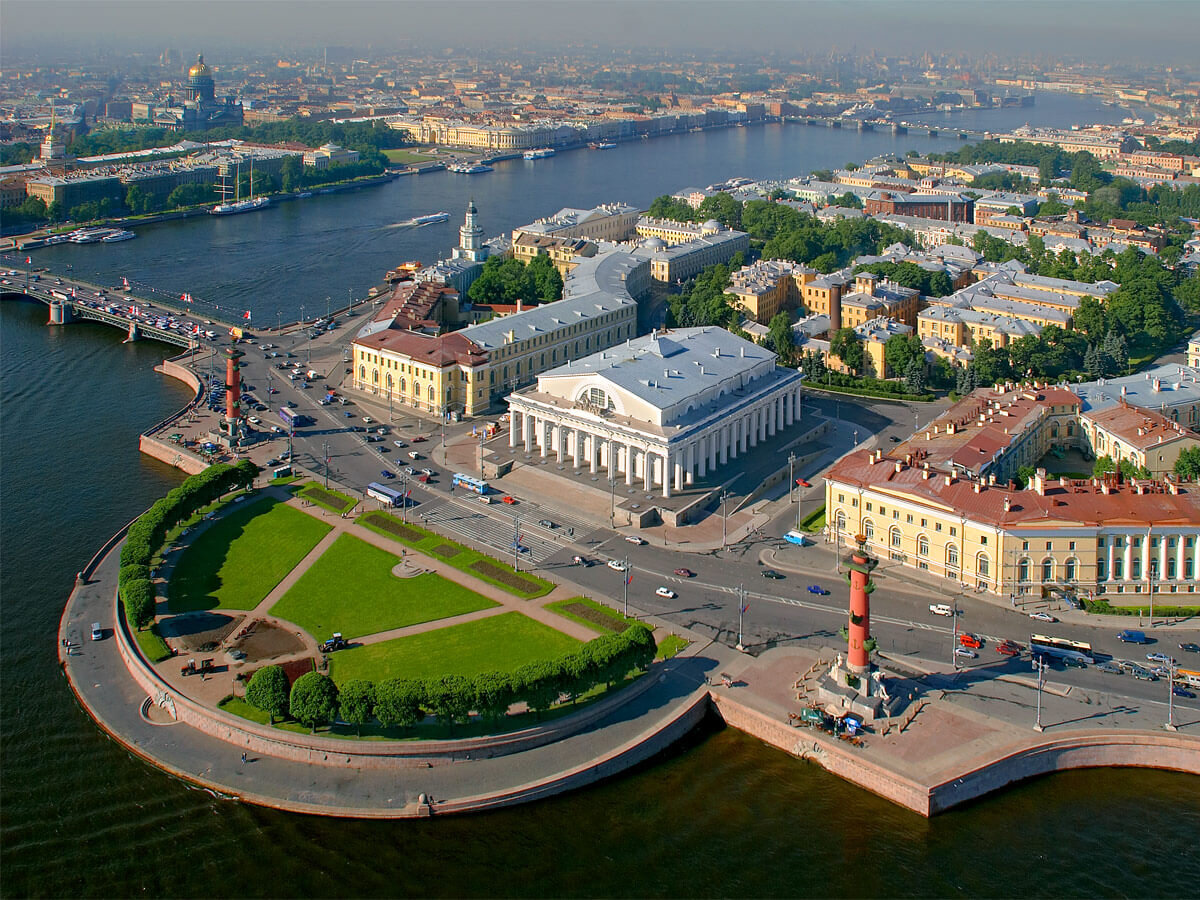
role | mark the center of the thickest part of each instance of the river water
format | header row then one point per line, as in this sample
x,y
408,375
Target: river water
x,y
719,815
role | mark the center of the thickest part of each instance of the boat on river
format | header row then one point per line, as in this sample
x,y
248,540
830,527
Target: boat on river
x,y
468,169
431,219
540,153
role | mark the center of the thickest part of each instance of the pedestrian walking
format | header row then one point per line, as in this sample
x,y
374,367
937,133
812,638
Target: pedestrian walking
x,y
243,759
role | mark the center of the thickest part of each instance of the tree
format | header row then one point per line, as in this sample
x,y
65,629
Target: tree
x,y
493,694
846,346
268,690
723,208
1188,463
140,600
1090,318
547,282
450,698
668,207
314,700
538,684
779,336
356,702
848,200
1104,465
398,702
914,377
899,351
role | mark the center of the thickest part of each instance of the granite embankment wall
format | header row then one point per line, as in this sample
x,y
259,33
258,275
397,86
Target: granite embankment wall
x,y
164,451
977,776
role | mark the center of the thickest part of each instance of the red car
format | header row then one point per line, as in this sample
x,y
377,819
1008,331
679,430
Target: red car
x,y
511,501
1008,648
424,479
684,573
969,640
418,440
802,482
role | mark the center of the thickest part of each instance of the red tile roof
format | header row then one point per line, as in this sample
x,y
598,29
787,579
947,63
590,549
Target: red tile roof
x,y
1140,428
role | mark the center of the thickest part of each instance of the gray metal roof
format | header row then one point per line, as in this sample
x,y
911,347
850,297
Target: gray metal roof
x,y
1161,387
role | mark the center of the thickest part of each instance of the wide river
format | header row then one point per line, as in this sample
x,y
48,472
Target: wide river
x,y
720,815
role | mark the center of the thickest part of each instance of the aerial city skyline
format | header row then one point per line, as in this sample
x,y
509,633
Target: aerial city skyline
x,y
641,424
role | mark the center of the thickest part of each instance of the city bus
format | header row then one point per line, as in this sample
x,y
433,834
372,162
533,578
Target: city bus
x,y
471,483
384,494
1061,648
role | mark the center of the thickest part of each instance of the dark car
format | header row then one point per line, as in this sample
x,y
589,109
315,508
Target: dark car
x,y
684,573
1190,648
386,474
1182,692
817,589
894,439
772,574
418,440
348,414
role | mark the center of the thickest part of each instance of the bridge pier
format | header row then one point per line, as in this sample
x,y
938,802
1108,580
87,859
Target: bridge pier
x,y
60,312
134,333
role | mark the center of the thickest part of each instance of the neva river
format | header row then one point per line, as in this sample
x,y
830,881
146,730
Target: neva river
x,y
720,815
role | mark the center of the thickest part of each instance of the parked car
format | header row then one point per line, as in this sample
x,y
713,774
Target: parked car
x,y
665,592
1073,662
966,653
400,444
428,472
684,573
418,440
772,574
940,609
1043,617
817,589
1108,667
803,483
1159,657
1143,674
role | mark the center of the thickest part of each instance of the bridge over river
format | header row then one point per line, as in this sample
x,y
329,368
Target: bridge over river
x,y
72,299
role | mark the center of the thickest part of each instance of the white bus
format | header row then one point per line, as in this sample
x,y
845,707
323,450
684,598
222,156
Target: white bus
x,y
384,494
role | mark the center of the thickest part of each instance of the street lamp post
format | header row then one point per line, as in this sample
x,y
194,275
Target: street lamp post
x,y
1170,726
1041,667
278,322
792,479
516,543
954,637
612,493
625,583
724,520
741,595
327,306
325,451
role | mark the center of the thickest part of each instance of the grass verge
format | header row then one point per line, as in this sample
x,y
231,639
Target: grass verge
x,y
150,642
814,521
460,556
497,643
671,645
351,589
240,559
588,612
1103,607
239,707
334,501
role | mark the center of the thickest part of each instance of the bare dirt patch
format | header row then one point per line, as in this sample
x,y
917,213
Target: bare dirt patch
x,y
446,551
397,528
588,614
268,641
505,576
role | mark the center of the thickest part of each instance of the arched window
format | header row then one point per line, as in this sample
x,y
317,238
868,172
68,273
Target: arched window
x,y
1189,567
375,376
1171,568
869,529
982,565
1047,570
430,393
1072,570
895,538
416,390
840,521
403,385
922,546
1023,571
362,372
388,378
951,556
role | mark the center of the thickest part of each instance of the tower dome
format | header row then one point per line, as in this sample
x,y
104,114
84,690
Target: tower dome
x,y
200,84
199,70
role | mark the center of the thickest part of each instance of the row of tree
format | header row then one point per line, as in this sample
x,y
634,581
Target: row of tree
x,y
315,700
505,280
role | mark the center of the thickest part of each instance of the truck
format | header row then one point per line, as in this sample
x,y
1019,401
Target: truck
x,y
291,418
795,537
1129,636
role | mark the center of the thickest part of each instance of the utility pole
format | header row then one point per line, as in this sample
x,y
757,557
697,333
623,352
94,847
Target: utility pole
x,y
291,455
325,450
1041,667
954,636
327,306
516,543
278,322
741,595
792,479
612,492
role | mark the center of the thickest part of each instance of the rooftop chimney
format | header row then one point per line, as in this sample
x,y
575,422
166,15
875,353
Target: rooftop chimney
x,y
1007,504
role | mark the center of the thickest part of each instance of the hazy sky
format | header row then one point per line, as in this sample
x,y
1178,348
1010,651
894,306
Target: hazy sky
x,y
1163,31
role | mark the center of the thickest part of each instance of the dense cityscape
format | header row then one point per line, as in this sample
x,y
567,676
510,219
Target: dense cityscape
x,y
739,411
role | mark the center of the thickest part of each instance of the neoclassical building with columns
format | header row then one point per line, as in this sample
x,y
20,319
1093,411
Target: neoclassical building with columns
x,y
665,409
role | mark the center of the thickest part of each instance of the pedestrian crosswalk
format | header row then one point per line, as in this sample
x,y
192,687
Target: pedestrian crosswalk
x,y
493,528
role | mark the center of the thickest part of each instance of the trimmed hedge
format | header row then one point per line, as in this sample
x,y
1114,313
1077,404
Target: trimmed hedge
x,y
1103,607
147,534
403,702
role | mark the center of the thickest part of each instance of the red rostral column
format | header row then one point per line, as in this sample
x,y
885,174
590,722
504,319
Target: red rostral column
x,y
233,391
859,565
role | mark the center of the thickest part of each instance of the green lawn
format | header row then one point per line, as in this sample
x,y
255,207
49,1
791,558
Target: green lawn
x,y
242,556
351,589
406,157
478,565
670,646
239,707
150,642
498,643
334,501
591,614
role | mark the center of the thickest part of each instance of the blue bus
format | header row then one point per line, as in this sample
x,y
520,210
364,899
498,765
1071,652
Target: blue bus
x,y
470,482
291,418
